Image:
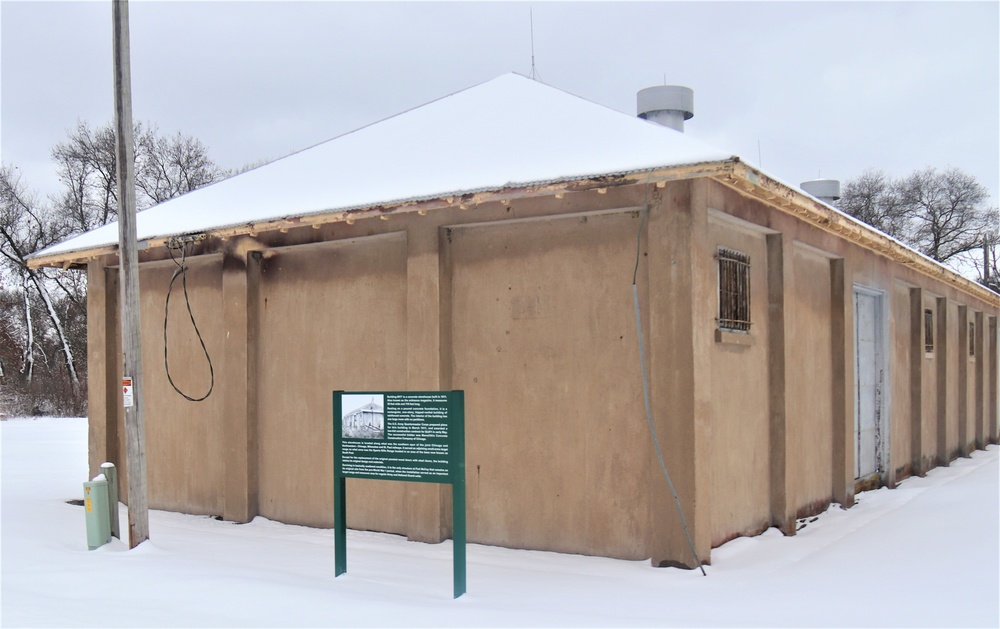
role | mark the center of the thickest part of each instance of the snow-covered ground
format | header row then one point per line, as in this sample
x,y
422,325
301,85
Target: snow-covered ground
x,y
924,554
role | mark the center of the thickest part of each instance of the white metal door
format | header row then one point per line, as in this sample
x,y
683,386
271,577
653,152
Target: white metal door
x,y
869,376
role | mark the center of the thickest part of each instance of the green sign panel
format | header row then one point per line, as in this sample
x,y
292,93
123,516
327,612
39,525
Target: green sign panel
x,y
416,436
395,436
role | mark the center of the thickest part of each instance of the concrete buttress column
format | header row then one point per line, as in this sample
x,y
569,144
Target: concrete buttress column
x,y
916,383
240,294
963,382
779,278
102,366
980,390
842,353
428,505
941,383
681,322
991,357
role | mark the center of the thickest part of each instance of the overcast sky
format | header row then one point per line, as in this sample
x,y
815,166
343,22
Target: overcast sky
x,y
805,89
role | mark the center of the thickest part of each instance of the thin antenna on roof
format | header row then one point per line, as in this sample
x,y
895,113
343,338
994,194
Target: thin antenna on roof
x,y
531,22
760,162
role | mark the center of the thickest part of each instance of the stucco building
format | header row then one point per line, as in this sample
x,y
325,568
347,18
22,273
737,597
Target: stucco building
x,y
489,241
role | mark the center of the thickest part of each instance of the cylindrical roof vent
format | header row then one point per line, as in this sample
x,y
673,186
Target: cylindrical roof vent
x,y
826,190
668,105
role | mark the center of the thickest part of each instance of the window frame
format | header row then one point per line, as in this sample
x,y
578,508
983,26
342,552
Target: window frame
x,y
928,331
734,291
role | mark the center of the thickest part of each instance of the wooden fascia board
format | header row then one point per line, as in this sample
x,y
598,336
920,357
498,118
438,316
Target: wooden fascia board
x,y
750,182
72,258
464,201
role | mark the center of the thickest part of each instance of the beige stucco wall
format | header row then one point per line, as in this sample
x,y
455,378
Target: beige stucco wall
x,y
967,426
978,391
900,342
534,320
992,377
332,317
953,353
803,383
930,391
868,270
739,452
544,344
810,420
183,438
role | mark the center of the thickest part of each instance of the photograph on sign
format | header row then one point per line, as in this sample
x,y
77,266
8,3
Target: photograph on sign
x,y
363,416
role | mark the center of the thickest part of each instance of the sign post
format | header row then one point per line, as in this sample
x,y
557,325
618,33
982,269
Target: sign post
x,y
416,436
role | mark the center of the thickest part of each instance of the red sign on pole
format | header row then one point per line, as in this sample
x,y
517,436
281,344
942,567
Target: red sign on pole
x,y
127,392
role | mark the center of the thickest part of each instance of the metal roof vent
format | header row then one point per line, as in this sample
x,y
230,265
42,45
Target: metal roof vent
x,y
826,190
668,105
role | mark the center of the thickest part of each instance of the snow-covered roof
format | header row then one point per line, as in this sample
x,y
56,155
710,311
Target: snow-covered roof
x,y
371,406
508,132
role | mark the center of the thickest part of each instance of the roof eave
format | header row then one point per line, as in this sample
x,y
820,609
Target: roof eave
x,y
731,172
752,182
461,199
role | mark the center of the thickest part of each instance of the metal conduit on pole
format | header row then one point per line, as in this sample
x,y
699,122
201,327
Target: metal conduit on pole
x,y
128,270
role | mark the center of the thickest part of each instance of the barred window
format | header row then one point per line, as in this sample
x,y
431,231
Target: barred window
x,y
972,338
928,330
734,291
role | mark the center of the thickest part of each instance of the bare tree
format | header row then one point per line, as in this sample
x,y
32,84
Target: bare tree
x,y
25,228
43,318
987,263
166,167
948,212
873,198
172,166
941,214
86,166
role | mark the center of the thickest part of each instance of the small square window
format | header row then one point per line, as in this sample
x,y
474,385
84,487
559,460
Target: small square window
x,y
734,291
972,338
928,330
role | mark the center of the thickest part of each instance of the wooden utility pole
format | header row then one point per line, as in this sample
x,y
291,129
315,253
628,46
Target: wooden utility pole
x,y
128,270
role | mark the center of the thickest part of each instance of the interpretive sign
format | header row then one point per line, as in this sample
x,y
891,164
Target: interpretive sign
x,y
416,436
395,436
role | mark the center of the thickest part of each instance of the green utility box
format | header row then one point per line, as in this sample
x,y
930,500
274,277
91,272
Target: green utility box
x,y
95,504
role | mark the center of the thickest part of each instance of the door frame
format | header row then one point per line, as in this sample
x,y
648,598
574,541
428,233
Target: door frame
x,y
883,392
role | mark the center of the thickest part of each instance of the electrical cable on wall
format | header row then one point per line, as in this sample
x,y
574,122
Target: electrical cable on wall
x,y
182,272
645,381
